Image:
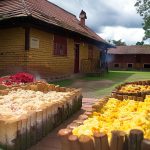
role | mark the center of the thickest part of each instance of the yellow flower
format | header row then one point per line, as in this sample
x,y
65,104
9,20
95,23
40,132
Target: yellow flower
x,y
118,115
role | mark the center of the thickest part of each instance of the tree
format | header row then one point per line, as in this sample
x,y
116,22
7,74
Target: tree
x,y
140,43
118,42
143,8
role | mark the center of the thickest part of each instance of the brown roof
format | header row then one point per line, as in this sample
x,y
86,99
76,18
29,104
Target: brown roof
x,y
46,12
135,49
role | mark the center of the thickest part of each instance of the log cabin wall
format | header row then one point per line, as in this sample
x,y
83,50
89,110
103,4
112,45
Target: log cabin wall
x,y
12,53
39,60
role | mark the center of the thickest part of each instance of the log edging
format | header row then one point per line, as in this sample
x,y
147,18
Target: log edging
x,y
119,141
138,96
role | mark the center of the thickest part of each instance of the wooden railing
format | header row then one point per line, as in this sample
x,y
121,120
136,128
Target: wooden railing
x,y
90,65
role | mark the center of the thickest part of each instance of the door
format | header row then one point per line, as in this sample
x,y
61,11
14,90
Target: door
x,y
76,58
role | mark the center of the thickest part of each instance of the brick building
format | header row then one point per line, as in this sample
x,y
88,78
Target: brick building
x,y
39,37
129,57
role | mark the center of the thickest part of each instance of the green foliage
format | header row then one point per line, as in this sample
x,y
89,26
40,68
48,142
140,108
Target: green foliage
x,y
143,8
118,42
63,83
140,43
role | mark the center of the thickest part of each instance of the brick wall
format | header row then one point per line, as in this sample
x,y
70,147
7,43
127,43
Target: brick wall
x,y
137,61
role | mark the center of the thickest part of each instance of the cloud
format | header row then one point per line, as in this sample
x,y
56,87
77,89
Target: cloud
x,y
128,35
104,13
111,19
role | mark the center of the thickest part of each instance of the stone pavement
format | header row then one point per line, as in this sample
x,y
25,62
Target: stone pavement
x,y
51,141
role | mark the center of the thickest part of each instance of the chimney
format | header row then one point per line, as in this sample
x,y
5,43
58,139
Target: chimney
x,y
82,17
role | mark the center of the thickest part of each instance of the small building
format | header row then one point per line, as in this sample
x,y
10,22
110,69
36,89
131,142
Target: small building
x,y
39,37
129,57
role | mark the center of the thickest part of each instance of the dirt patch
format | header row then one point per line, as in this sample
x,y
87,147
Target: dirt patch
x,y
89,87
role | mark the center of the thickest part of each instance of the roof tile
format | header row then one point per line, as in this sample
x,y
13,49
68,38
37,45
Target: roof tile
x,y
47,12
134,49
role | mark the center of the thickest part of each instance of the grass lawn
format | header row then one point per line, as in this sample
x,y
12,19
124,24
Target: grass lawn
x,y
117,77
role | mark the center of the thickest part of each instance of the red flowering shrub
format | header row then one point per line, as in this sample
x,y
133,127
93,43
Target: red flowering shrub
x,y
18,78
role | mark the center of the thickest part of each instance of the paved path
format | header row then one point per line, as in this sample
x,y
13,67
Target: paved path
x,y
52,142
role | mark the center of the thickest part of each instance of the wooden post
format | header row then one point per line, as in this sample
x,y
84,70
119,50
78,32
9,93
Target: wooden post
x,y
135,139
33,135
74,142
78,122
101,141
23,133
39,124
130,97
145,145
120,97
18,140
140,99
88,113
64,134
114,95
28,132
44,121
72,126
125,96
83,117
11,134
117,140
3,137
49,124
134,98
86,143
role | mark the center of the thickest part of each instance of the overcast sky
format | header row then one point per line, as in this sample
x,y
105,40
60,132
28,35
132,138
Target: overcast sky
x,y
111,19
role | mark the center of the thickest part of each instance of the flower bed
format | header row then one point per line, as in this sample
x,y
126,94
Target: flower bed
x,y
132,90
16,79
30,111
113,124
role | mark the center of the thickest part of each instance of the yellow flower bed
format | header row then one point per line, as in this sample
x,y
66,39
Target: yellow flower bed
x,y
118,115
133,88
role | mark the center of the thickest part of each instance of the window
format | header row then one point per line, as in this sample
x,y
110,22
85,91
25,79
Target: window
x,y
116,65
147,66
60,45
130,65
90,52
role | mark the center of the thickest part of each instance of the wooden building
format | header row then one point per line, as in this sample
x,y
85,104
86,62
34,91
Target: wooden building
x,y
39,37
129,57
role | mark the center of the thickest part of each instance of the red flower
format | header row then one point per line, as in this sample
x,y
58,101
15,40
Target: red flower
x,y
18,78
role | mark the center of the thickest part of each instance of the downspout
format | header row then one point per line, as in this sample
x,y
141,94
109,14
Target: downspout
x,y
106,63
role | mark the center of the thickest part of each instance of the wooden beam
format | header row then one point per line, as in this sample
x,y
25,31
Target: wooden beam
x,y
27,38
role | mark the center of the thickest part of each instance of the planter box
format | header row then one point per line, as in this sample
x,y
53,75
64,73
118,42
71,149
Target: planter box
x,y
137,95
20,131
99,141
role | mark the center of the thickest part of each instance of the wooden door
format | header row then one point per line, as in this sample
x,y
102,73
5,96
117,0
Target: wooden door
x,y
76,58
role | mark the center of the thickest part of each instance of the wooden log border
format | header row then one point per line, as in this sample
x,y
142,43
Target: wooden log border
x,y
119,140
26,131
139,96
